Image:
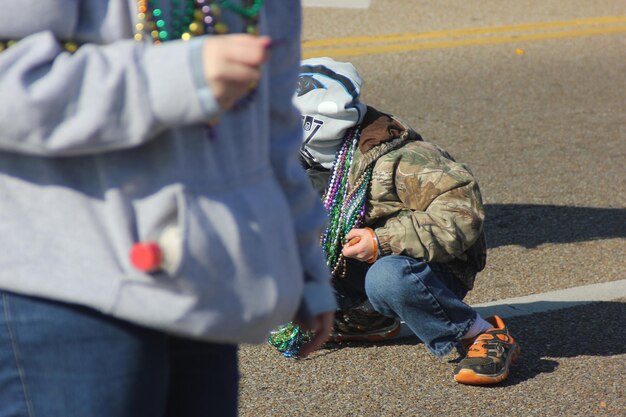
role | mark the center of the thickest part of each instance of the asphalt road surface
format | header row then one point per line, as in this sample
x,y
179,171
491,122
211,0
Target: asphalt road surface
x,y
532,96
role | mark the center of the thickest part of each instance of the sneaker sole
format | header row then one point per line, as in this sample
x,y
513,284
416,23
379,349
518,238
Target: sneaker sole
x,y
364,337
469,377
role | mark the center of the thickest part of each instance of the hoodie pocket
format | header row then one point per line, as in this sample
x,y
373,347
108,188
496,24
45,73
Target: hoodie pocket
x,y
161,231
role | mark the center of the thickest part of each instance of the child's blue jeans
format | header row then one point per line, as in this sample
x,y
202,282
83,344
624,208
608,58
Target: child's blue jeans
x,y
60,360
427,297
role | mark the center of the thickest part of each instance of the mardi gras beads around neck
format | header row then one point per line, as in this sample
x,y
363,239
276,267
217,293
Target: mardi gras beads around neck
x,y
345,205
188,18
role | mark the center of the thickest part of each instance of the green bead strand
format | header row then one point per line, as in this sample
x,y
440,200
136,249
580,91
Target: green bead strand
x,y
251,11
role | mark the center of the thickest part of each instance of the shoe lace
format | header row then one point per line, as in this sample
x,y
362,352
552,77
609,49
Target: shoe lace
x,y
489,344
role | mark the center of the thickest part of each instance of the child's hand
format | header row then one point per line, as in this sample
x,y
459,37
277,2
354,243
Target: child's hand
x,y
361,245
232,65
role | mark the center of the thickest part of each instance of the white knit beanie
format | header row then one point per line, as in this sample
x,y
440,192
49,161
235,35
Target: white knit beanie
x,y
328,100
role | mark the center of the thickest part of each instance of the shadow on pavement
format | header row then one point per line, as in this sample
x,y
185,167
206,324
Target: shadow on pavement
x,y
593,329
588,330
531,225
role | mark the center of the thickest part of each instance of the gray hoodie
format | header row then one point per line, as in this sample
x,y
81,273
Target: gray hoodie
x,y
105,147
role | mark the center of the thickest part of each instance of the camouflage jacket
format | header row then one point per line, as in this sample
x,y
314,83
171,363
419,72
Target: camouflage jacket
x,y
422,203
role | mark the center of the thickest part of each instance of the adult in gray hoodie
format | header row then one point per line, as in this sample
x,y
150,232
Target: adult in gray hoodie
x,y
104,145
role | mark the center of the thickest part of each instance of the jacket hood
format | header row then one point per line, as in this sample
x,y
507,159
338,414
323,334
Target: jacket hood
x,y
380,134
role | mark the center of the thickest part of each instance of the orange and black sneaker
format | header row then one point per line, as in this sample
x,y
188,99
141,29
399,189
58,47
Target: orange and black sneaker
x,y
489,356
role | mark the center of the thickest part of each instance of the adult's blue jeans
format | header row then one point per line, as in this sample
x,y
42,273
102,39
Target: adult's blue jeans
x,y
61,360
427,297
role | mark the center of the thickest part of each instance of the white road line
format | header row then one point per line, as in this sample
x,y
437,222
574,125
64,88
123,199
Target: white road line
x,y
554,300
547,301
338,4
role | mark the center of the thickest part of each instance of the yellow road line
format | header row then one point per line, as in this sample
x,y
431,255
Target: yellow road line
x,y
355,40
421,41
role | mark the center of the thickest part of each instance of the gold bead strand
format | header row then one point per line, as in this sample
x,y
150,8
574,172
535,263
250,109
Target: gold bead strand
x,y
220,27
143,20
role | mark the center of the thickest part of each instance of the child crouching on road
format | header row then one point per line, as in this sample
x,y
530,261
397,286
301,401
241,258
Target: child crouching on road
x,y
405,238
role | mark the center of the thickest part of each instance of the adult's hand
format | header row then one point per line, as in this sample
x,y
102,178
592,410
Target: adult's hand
x,y
321,326
232,65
